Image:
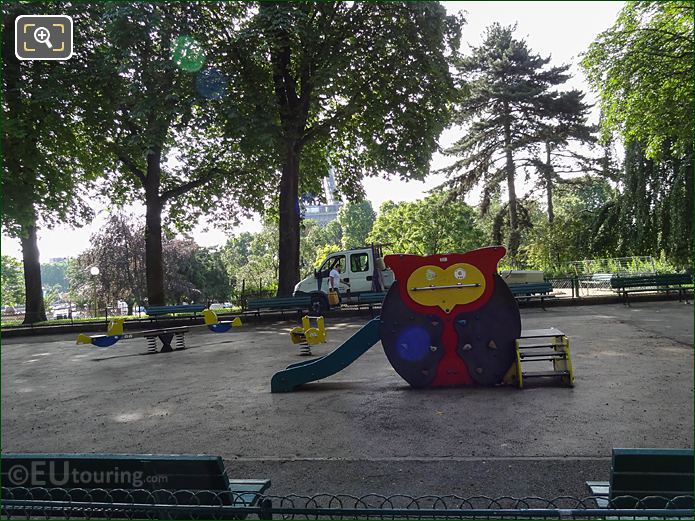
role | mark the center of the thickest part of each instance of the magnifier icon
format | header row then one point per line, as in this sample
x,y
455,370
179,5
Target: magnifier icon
x,y
42,35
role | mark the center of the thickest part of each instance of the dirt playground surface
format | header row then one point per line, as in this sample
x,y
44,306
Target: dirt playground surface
x,y
363,430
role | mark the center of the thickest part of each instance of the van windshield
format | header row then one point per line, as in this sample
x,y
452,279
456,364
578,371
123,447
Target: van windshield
x,y
331,262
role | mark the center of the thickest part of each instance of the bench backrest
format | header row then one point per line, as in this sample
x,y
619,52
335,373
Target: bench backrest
x,y
278,302
183,308
115,471
531,288
602,276
660,279
371,297
641,473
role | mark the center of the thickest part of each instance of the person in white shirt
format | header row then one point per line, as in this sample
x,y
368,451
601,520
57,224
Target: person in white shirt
x,y
334,280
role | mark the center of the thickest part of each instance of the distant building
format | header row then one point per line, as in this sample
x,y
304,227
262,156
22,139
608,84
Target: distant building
x,y
324,213
57,259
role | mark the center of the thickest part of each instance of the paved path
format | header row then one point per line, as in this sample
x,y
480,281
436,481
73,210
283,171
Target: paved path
x,y
363,430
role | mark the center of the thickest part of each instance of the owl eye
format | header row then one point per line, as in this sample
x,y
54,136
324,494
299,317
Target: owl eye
x,y
460,273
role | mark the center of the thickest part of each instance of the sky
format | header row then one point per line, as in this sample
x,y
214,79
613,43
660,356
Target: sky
x,y
559,29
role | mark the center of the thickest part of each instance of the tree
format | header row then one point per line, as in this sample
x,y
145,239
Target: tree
x,y
570,235
159,124
356,221
118,250
642,68
45,167
428,226
12,281
565,129
364,87
510,106
210,276
55,274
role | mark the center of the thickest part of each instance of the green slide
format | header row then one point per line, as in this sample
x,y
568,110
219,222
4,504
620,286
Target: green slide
x,y
342,356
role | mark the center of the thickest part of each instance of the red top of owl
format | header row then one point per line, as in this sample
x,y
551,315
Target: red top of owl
x,y
484,259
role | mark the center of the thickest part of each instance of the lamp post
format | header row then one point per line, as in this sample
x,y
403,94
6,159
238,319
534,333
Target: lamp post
x,y
94,272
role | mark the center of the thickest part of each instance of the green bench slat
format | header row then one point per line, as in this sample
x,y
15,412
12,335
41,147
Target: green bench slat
x,y
531,288
163,310
279,303
641,473
370,298
651,280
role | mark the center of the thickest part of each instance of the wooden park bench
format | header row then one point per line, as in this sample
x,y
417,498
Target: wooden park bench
x,y
682,283
299,303
532,291
370,299
158,311
85,485
647,478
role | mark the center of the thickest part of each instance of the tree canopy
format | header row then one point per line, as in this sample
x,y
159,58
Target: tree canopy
x,y
363,86
511,108
642,67
428,226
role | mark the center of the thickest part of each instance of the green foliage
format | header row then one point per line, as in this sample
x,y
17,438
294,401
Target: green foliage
x,y
323,252
157,127
55,274
210,276
12,281
44,177
512,105
642,67
356,221
570,236
365,87
428,226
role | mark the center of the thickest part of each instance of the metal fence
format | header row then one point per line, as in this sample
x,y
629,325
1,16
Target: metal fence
x,y
18,502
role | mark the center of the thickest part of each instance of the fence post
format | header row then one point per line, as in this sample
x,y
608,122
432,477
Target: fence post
x,y
266,509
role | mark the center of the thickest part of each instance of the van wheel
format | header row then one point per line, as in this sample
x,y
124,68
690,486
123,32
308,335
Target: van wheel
x,y
319,304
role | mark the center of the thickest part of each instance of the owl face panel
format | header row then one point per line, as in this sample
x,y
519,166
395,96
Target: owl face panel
x,y
449,319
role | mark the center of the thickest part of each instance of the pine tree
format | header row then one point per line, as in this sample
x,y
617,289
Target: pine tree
x,y
558,153
508,111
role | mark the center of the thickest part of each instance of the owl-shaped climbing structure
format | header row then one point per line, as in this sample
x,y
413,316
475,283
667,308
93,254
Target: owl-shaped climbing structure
x,y
449,319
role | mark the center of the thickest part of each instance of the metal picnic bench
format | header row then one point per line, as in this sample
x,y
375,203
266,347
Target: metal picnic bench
x,y
532,291
647,478
106,485
659,282
299,303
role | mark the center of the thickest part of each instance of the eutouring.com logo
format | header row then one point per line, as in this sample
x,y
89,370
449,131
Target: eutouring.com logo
x,y
59,474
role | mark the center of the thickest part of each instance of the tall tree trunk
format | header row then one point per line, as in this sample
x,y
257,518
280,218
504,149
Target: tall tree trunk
x,y
514,233
288,254
35,308
154,266
549,182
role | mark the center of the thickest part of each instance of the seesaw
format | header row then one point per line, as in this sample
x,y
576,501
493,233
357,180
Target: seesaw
x,y
115,333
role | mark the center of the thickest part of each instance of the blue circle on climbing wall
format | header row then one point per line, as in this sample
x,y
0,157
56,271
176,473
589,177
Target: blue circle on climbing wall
x,y
413,343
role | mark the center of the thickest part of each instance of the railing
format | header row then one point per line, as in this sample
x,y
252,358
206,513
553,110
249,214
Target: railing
x,y
182,504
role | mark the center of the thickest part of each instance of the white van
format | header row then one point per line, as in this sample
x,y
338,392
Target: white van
x,y
358,268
